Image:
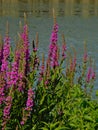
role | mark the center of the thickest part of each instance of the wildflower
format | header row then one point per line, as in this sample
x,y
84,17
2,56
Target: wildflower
x,y
1,95
4,67
6,52
13,77
88,76
29,104
21,83
25,39
46,82
22,122
53,47
1,51
6,111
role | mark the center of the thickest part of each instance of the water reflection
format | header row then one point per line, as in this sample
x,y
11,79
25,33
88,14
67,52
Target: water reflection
x,y
44,7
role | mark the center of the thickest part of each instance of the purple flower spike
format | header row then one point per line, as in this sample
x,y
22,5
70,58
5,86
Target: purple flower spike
x,y
22,122
29,103
13,77
2,98
25,39
54,35
88,76
6,111
53,48
6,52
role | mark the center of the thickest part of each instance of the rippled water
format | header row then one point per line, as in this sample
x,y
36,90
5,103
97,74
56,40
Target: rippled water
x,y
77,19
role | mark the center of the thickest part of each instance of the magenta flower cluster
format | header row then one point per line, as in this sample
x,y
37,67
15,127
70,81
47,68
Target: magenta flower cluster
x,y
6,111
29,106
1,56
30,103
53,48
4,67
6,52
25,39
13,75
90,74
2,95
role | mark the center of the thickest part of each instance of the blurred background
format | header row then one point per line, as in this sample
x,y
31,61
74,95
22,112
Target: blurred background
x,y
84,8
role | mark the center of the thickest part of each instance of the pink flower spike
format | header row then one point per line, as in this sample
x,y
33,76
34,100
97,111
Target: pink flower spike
x,y
88,76
22,122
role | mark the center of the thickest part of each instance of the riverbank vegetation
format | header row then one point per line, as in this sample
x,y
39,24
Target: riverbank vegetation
x,y
48,93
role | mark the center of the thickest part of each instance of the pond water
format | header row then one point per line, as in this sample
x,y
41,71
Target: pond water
x,y
77,19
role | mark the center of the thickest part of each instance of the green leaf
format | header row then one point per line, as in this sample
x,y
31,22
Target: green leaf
x,y
44,123
96,92
61,128
42,110
53,125
44,128
73,125
42,100
88,118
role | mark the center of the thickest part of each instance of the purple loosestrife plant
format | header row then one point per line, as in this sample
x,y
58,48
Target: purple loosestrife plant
x,y
13,74
89,75
1,51
2,88
29,105
6,111
53,47
25,39
22,65
6,53
4,67
1,95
